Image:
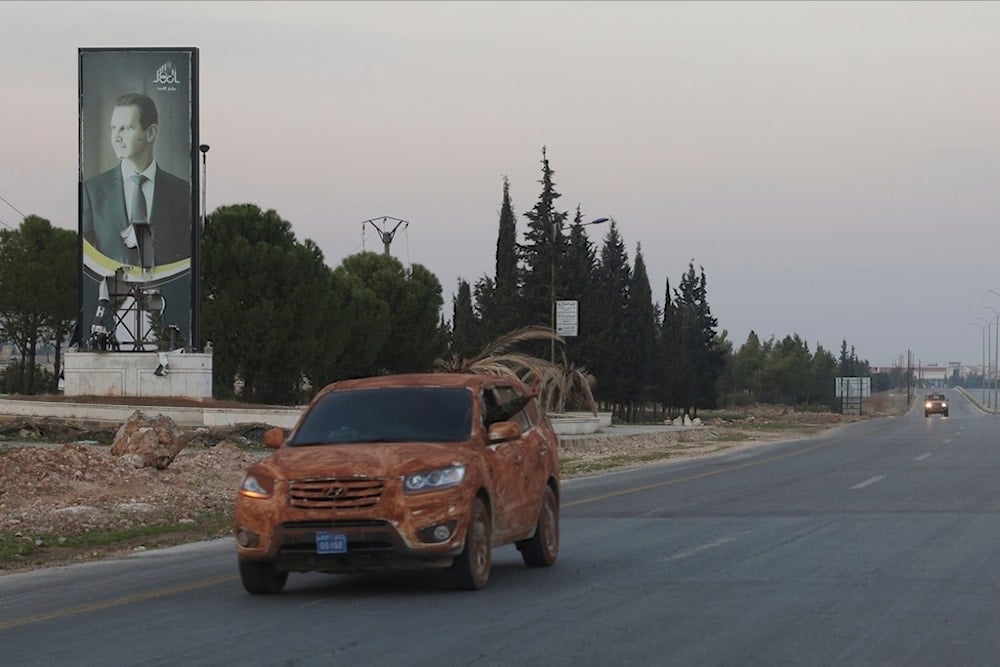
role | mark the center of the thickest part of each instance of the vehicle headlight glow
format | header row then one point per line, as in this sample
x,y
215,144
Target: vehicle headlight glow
x,y
927,404
255,485
442,478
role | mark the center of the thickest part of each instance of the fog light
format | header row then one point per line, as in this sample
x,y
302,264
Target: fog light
x,y
247,539
437,533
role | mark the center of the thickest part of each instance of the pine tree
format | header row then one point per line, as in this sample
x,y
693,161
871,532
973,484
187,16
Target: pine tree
x,y
543,244
611,289
577,267
640,323
702,359
251,314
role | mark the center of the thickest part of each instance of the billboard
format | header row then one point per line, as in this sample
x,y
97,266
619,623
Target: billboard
x,y
138,207
857,387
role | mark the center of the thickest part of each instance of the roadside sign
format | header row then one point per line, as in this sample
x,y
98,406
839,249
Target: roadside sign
x,y
567,318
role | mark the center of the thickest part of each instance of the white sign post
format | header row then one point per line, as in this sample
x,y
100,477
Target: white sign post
x,y
567,318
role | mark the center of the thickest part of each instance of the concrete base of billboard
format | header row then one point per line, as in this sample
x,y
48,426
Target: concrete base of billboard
x,y
134,375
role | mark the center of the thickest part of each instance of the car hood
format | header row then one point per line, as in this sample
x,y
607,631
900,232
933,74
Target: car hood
x,y
363,459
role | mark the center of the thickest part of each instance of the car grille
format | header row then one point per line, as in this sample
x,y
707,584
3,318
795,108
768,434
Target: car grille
x,y
335,493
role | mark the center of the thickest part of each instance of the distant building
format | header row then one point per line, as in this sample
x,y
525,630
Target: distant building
x,y
934,373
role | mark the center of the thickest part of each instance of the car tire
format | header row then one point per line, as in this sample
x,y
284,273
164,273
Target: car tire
x,y
471,568
945,413
261,577
926,414
542,549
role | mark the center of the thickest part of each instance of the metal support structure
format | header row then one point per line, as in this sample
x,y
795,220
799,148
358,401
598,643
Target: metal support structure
x,y
195,342
386,235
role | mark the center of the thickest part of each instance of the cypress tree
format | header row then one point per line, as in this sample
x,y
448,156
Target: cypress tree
x,y
497,298
464,333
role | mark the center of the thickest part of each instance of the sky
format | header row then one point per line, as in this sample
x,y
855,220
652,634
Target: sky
x,y
833,167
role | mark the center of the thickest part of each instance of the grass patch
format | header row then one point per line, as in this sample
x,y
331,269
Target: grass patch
x,y
52,548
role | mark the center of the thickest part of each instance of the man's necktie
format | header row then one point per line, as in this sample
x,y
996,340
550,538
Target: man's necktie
x,y
140,222
139,200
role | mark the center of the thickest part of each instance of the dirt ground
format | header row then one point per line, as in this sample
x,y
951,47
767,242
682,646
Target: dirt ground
x,y
61,491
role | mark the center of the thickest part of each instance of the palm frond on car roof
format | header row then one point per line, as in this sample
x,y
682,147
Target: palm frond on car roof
x,y
555,382
495,356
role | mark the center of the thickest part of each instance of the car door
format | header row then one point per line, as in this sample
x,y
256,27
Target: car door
x,y
519,466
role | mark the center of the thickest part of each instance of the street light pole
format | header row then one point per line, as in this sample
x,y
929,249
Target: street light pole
x,y
996,336
556,228
204,177
194,332
988,371
982,378
996,371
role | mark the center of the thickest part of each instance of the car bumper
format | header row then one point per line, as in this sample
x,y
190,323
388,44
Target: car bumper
x,y
381,538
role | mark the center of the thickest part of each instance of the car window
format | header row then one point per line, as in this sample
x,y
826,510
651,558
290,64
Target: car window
x,y
506,403
398,414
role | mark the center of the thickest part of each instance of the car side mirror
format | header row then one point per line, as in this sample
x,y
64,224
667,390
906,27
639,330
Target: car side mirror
x,y
274,437
504,431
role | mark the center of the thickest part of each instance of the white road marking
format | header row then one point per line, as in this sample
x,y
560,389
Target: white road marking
x,y
868,482
922,457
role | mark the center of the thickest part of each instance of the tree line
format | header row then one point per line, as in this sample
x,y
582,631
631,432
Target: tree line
x,y
282,323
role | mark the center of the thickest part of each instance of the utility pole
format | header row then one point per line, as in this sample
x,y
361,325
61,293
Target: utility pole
x,y
383,232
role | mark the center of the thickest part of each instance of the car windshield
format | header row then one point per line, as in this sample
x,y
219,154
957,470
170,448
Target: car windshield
x,y
935,397
400,414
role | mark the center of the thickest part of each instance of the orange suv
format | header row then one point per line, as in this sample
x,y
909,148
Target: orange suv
x,y
403,472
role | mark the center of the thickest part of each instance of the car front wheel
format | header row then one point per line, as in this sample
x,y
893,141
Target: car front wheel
x,y
542,549
261,577
471,569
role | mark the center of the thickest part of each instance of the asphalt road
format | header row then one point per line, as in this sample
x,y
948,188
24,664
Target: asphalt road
x,y
876,544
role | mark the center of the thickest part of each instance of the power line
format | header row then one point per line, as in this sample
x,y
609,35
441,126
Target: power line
x,y
13,207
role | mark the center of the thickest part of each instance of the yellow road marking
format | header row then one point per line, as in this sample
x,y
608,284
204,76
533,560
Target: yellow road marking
x,y
97,606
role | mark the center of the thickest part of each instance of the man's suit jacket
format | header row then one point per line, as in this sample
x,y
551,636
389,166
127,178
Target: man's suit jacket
x,y
104,217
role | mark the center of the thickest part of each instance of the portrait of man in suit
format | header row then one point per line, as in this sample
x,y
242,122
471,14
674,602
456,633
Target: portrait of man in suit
x,y
136,213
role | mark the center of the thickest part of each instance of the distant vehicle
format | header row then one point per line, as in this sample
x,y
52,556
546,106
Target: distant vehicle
x,y
403,472
935,404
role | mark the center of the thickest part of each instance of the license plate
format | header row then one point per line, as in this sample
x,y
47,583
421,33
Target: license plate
x,y
331,543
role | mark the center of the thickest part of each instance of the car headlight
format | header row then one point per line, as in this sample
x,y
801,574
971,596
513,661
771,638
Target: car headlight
x,y
944,404
255,485
927,404
442,478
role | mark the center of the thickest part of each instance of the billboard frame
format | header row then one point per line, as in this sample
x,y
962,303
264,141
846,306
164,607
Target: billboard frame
x,y
189,157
